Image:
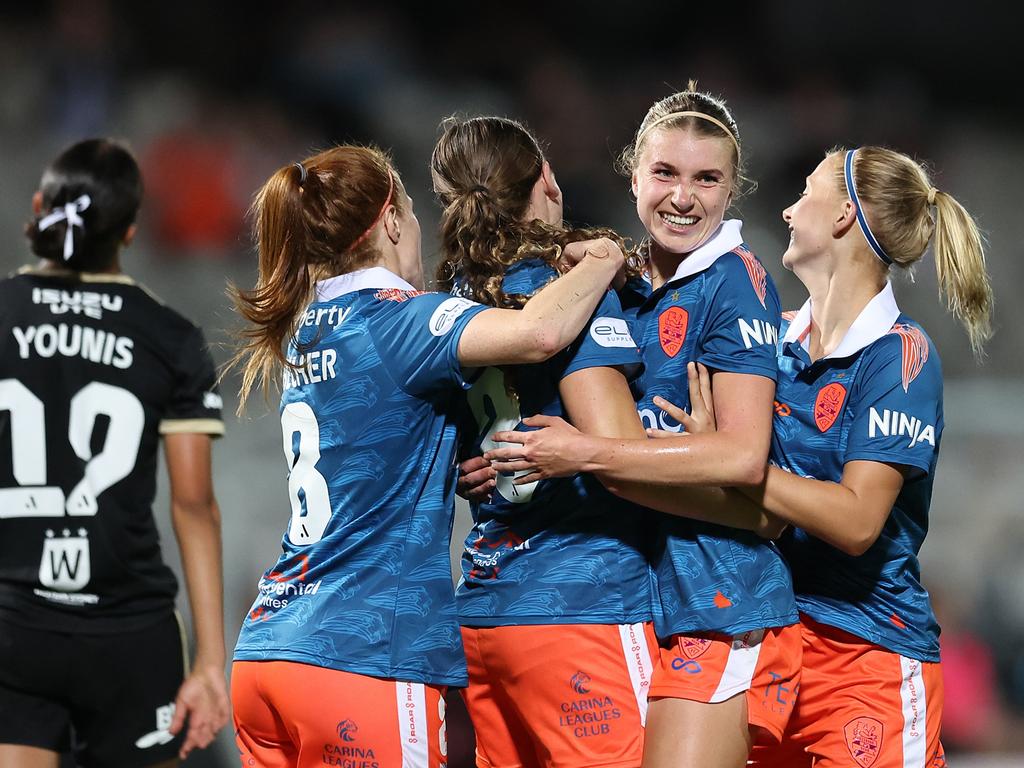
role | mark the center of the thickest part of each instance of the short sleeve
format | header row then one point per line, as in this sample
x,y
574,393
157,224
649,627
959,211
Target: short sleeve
x,y
605,341
742,329
896,404
418,340
195,404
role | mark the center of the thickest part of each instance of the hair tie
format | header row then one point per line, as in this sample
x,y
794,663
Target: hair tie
x,y
69,213
387,202
687,113
861,218
932,192
302,173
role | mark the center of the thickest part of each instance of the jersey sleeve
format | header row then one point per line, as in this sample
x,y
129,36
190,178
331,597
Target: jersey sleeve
x,y
896,406
605,341
742,329
419,342
195,404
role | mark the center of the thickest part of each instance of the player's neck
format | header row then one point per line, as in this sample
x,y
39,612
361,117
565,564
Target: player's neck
x,y
838,296
51,265
662,264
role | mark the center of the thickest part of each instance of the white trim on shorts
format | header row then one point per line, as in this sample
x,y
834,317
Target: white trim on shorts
x,y
740,666
412,725
638,664
915,709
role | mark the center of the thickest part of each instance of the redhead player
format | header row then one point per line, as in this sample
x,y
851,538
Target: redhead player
x,y
359,608
727,620
556,564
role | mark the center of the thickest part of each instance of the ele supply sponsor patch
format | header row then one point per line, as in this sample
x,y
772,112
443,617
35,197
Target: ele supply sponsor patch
x,y
447,312
611,332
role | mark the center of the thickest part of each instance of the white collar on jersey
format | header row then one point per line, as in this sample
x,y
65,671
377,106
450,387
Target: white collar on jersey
x,y
372,277
726,237
873,322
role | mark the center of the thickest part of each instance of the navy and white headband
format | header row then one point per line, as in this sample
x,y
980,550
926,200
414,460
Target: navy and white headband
x,y
861,218
69,213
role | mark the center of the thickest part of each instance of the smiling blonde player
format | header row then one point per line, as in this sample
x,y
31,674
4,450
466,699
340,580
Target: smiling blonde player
x,y
727,625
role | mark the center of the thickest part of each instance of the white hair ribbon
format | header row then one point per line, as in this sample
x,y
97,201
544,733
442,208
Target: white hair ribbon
x,y
69,212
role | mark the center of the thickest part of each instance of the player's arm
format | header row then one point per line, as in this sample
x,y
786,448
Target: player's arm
x,y
550,320
202,698
736,454
849,514
598,402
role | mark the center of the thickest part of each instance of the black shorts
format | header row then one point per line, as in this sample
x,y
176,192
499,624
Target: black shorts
x,y
107,698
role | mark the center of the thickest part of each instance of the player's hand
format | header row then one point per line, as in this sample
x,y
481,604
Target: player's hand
x,y
556,449
203,701
601,248
476,480
701,417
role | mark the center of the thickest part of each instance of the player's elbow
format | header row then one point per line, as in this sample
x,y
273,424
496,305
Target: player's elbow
x,y
547,343
749,468
858,540
199,507
771,528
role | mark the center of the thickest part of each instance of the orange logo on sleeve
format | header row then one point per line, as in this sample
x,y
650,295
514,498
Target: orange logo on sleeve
x,y
915,352
721,601
756,273
672,329
828,405
864,740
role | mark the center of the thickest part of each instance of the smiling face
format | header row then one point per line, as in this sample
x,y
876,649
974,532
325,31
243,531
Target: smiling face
x,y
683,185
812,217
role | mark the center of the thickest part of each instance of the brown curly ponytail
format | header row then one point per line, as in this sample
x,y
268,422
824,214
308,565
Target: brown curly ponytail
x,y
484,170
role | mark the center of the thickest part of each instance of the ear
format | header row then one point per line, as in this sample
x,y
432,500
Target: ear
x,y
129,235
634,185
551,190
37,202
845,218
392,228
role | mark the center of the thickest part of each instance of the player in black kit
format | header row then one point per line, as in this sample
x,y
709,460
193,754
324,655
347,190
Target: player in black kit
x,y
93,372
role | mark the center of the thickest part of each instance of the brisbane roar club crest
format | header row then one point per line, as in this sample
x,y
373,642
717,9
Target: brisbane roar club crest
x,y
672,329
864,740
828,405
693,647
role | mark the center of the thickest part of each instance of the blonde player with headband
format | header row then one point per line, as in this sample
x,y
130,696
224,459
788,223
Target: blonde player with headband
x,y
725,614
854,454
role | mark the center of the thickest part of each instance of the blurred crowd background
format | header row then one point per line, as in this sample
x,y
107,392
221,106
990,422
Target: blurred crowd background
x,y
213,97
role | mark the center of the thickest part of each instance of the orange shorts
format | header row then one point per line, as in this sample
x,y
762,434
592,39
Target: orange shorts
x,y
559,695
859,705
292,714
711,667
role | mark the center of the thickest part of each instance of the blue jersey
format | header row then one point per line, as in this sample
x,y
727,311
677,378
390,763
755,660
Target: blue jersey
x,y
559,551
721,309
364,581
878,397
